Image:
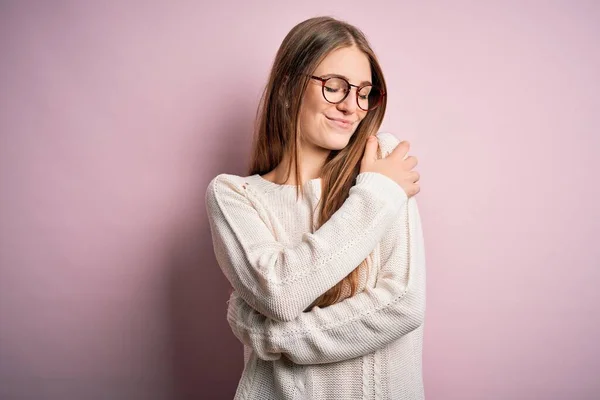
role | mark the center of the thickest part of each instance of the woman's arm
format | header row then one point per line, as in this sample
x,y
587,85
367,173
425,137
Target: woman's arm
x,y
281,281
356,326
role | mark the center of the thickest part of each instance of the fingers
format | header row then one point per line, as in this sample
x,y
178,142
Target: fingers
x,y
400,150
370,150
415,176
412,161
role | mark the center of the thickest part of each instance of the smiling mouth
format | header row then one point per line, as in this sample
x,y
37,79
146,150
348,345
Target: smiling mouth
x,y
341,123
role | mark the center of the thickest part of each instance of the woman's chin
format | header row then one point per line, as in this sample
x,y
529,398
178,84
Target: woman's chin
x,y
337,143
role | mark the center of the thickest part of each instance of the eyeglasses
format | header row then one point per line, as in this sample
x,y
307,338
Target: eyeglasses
x,y
336,89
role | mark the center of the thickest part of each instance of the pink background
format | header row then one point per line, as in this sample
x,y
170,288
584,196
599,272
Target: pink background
x,y
114,117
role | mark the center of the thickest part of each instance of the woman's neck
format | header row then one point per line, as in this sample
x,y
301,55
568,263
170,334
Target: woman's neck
x,y
310,164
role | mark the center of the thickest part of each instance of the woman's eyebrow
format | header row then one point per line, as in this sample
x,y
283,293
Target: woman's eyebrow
x,y
346,78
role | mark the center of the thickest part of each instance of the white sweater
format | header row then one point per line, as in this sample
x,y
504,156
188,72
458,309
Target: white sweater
x,y
368,346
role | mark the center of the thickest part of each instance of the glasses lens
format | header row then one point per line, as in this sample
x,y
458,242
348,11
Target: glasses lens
x,y
335,90
369,97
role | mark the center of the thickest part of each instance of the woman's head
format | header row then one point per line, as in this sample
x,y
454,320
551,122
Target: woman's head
x,y
303,111
330,109
294,112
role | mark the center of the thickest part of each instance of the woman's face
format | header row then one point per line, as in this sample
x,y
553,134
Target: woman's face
x,y
326,126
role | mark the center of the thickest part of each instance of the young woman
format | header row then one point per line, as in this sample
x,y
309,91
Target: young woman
x,y
322,241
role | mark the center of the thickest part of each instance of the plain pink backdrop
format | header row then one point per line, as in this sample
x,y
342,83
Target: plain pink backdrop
x,y
115,115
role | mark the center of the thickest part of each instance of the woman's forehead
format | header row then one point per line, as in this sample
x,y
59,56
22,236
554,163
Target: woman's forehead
x,y
347,61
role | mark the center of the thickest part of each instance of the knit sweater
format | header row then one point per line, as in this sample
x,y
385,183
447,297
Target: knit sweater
x,y
367,346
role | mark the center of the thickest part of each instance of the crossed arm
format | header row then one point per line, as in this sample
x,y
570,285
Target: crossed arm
x,y
355,326
281,281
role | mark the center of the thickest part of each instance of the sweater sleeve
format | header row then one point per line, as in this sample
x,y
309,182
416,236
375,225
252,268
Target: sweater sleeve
x,y
355,326
360,324
281,281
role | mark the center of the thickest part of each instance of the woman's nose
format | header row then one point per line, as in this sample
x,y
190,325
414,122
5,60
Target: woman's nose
x,y
349,104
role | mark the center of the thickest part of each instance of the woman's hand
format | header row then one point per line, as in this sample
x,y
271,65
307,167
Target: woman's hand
x,y
397,165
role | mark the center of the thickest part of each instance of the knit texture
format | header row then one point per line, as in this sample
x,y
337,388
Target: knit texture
x,y
368,346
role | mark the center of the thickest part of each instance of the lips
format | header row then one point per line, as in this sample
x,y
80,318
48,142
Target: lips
x,y
341,122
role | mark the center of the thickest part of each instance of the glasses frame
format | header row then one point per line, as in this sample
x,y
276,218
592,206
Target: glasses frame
x,y
358,88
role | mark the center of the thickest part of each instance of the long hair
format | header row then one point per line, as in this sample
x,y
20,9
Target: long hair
x,y
276,133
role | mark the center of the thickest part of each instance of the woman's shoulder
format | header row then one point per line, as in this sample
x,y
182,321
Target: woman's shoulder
x,y
226,183
387,142
224,178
